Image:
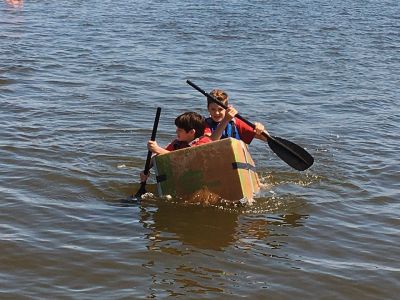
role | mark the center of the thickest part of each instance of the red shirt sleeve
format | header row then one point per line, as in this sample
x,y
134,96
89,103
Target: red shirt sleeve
x,y
171,147
202,140
246,132
207,130
176,145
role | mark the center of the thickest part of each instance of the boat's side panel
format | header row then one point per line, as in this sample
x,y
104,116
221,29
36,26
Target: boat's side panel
x,y
211,166
249,180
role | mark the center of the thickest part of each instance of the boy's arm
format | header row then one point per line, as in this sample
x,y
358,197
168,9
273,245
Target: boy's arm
x,y
230,113
216,135
248,133
153,147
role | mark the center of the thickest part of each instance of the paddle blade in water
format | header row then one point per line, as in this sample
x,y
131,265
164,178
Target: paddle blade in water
x,y
141,191
137,197
294,155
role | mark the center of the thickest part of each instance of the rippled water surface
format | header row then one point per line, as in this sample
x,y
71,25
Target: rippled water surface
x,y
79,84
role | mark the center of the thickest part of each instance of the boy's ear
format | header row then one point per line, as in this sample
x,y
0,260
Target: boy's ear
x,y
193,131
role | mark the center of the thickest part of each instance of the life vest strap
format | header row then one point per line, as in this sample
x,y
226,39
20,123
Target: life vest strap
x,y
230,130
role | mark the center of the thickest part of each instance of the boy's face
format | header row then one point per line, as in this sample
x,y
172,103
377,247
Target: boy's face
x,y
183,136
217,113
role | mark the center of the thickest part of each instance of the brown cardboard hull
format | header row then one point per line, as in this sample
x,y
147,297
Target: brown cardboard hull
x,y
224,168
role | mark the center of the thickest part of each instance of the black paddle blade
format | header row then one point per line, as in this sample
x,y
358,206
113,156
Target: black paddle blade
x,y
141,191
294,155
137,197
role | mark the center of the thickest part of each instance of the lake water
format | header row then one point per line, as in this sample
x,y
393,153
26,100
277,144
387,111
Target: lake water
x,y
79,85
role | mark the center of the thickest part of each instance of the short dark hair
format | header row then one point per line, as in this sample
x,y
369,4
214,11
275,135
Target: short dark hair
x,y
191,120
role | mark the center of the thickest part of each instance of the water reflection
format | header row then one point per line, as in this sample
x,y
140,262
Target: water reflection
x,y
265,233
177,230
175,226
201,227
15,3
293,220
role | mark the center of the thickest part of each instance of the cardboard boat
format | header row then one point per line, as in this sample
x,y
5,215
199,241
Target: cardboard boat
x,y
223,167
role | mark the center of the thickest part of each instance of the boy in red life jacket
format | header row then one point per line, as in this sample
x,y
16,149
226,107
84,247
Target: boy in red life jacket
x,y
189,133
222,123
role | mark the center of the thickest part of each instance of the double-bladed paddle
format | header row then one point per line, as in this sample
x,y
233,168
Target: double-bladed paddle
x,y
142,189
294,155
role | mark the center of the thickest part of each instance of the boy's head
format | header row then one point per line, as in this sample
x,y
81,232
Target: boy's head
x,y
217,113
220,95
189,126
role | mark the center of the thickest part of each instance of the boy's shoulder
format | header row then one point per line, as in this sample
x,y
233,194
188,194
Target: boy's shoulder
x,y
200,141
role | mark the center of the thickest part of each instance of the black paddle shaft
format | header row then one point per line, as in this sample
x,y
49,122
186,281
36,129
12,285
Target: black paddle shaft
x,y
294,155
153,138
142,189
